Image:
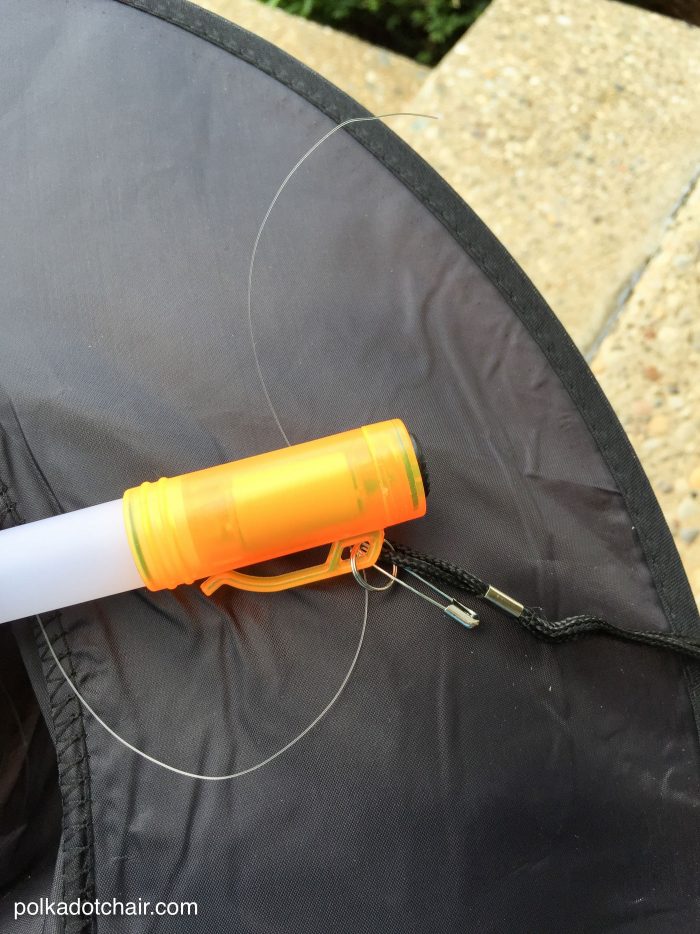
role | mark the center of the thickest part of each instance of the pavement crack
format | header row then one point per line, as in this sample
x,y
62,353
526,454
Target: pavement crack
x,y
628,288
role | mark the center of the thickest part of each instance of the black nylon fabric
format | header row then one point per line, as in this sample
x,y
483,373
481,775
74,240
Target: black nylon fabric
x,y
465,781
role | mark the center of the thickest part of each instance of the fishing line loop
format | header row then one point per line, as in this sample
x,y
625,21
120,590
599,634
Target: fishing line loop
x,y
202,777
259,765
361,576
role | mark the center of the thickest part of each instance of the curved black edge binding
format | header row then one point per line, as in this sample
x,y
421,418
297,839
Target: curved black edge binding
x,y
499,266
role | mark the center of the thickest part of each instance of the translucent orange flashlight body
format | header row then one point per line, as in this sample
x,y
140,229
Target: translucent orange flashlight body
x,y
341,491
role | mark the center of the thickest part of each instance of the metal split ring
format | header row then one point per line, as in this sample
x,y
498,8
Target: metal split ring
x,y
361,577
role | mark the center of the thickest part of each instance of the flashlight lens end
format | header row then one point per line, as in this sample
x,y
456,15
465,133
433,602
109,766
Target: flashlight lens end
x,y
420,457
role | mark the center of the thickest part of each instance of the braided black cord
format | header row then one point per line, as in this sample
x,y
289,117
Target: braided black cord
x,y
439,571
433,569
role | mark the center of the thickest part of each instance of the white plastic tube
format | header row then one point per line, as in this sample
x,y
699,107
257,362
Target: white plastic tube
x,y
64,560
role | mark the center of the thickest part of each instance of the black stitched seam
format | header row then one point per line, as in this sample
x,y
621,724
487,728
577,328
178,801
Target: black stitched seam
x,y
74,773
9,507
73,770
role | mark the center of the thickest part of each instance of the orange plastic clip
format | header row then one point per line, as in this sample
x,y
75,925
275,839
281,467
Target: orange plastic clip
x,y
365,548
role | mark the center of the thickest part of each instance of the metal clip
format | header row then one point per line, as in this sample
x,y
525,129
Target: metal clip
x,y
455,610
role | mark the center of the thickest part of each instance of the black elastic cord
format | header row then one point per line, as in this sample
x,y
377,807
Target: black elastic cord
x,y
439,571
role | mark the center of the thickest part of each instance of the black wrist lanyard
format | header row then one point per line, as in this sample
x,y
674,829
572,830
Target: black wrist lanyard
x,y
434,571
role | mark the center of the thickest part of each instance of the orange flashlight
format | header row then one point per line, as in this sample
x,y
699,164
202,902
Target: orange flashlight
x,y
341,491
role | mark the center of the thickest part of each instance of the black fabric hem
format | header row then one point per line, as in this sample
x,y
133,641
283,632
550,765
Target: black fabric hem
x,y
73,773
70,740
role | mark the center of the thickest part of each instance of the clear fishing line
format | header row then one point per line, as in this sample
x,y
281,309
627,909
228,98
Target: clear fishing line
x,y
274,201
213,778
266,761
